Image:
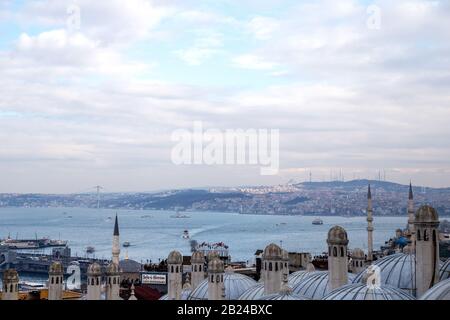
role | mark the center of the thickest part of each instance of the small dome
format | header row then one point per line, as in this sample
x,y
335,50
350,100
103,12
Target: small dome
x,y
94,269
396,270
444,271
235,285
440,291
184,295
175,258
284,255
316,286
253,293
198,257
283,295
298,276
358,254
216,265
426,214
10,275
56,268
359,291
272,252
212,254
112,268
337,235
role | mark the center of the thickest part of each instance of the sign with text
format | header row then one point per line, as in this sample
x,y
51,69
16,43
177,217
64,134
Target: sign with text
x,y
153,278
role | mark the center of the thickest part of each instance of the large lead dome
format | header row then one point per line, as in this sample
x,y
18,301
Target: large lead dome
x,y
316,286
444,271
359,291
440,291
235,285
396,270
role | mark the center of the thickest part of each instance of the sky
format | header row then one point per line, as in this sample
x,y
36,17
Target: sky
x,y
92,91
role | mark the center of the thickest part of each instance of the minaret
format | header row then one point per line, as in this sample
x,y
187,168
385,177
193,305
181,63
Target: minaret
x,y
427,248
215,279
369,226
198,268
55,281
94,286
411,218
337,257
358,259
175,272
284,264
10,285
113,282
116,243
272,268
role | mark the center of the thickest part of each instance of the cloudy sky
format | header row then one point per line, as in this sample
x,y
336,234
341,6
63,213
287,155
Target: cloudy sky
x,y
357,86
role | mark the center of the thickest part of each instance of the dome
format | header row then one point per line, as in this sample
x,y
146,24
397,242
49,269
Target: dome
x,y
129,266
359,291
426,214
235,285
10,275
56,268
298,276
198,257
315,286
397,270
337,235
272,252
440,291
184,295
216,265
358,254
284,294
444,271
175,258
112,268
94,269
212,254
253,293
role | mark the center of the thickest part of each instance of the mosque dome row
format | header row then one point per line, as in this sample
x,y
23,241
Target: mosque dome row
x,y
316,285
360,291
440,291
396,270
444,271
235,285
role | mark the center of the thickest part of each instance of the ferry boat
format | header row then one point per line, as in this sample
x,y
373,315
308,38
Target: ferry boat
x,y
317,221
90,249
126,244
186,234
179,216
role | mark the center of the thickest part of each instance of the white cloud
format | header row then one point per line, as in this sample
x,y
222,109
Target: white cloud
x,y
262,28
250,61
206,45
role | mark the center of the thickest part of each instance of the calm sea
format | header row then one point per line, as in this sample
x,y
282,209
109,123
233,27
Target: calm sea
x,y
153,234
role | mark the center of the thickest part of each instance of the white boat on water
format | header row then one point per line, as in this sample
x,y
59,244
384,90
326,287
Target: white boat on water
x,y
179,216
317,221
186,234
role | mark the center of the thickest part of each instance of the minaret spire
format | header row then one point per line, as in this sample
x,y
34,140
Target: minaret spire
x,y
369,226
411,218
116,243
